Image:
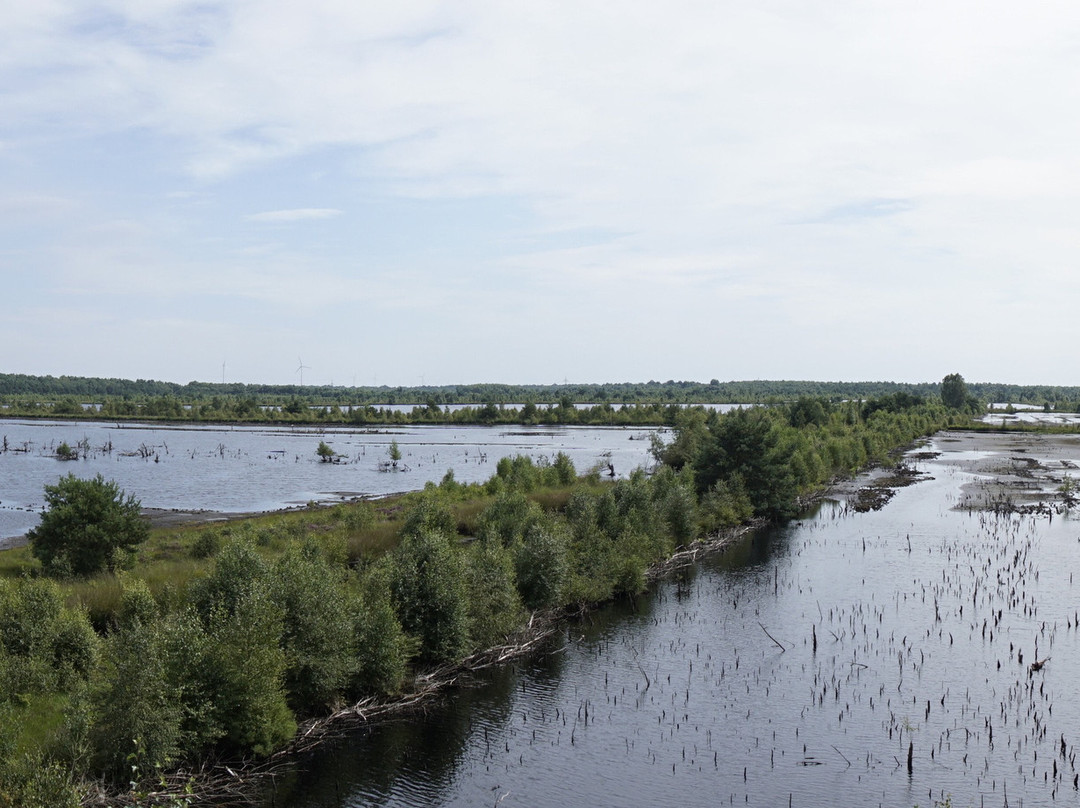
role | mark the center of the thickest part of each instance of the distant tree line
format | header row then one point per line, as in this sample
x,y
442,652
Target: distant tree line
x,y
78,390
645,403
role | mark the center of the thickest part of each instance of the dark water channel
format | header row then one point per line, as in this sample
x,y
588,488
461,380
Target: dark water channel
x,y
926,622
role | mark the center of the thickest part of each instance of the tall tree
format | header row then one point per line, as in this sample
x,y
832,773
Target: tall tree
x,y
954,391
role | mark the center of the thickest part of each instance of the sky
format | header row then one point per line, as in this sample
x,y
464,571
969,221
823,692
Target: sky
x,y
411,193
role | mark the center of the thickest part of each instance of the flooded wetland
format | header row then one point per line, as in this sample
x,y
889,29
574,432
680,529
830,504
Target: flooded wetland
x,y
903,656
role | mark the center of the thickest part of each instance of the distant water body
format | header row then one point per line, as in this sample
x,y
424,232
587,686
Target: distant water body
x,y
236,469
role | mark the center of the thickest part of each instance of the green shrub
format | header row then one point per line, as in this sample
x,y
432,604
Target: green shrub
x,y
206,544
430,513
188,654
430,594
244,670
317,634
726,504
46,645
88,526
238,573
33,781
138,716
507,518
137,605
382,647
494,604
562,471
541,562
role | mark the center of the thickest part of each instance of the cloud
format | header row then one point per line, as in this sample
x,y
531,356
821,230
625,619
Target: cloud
x,y
801,157
294,215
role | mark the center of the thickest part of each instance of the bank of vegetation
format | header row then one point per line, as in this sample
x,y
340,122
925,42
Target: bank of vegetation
x,y
220,641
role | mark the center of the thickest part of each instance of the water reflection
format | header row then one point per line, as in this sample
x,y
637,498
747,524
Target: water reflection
x,y
797,668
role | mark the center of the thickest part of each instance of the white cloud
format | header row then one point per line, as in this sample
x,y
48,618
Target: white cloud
x,y
293,215
822,154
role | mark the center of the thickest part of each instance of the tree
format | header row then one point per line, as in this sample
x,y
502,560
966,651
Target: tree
x,y
954,391
325,453
88,526
430,592
744,449
394,452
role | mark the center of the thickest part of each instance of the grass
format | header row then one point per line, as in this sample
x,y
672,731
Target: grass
x,y
356,533
38,718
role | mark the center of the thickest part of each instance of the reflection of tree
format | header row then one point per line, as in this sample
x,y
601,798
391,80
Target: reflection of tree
x,y
423,749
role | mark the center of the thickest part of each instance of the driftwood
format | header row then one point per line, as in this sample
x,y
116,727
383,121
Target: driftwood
x,y
239,783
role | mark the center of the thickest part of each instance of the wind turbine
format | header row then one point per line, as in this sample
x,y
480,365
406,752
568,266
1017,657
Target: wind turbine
x,y
300,370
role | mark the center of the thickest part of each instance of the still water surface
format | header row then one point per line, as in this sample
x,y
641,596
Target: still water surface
x,y
921,615
241,469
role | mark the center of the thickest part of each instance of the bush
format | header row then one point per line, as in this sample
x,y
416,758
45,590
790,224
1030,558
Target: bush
x,y
383,650
507,518
541,561
239,571
243,672
45,645
138,714
429,591
494,604
430,513
88,526
31,781
317,635
206,544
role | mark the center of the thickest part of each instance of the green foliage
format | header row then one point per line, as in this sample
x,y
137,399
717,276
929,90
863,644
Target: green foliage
x,y
137,605
244,671
138,713
430,513
518,473
508,517
238,573
383,649
563,471
954,391
207,543
494,606
542,565
673,493
430,594
325,453
747,443
808,412
725,505
317,636
88,526
44,645
243,667
30,780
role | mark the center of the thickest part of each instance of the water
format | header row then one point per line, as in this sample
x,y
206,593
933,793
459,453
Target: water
x,y
243,469
926,622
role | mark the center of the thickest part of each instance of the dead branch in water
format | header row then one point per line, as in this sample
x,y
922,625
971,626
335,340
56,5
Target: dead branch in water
x,y
779,644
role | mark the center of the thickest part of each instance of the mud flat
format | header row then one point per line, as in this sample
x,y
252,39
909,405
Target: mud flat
x,y
1014,472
